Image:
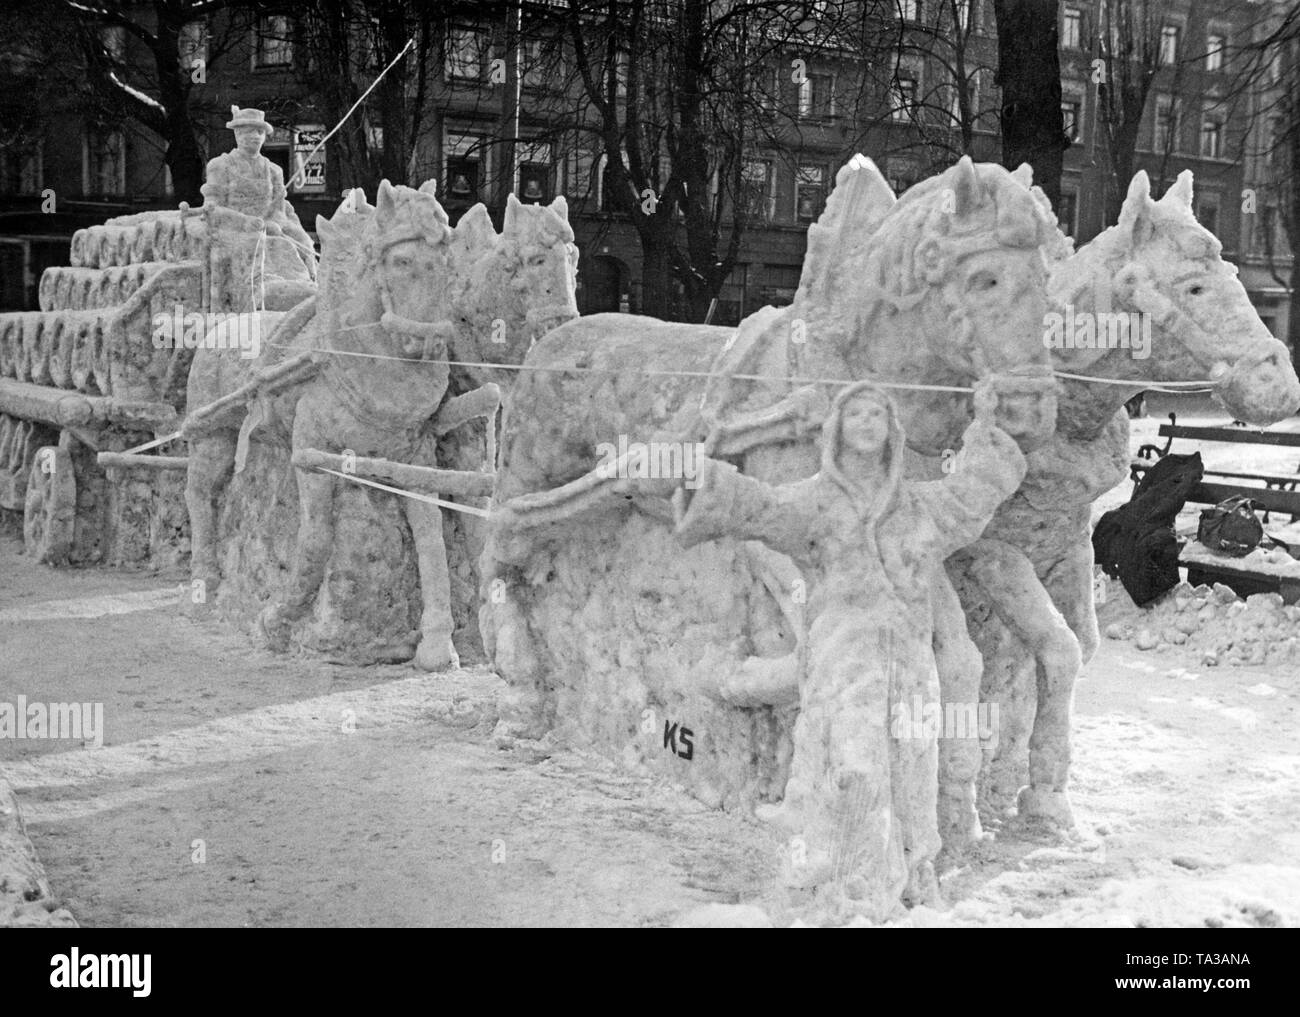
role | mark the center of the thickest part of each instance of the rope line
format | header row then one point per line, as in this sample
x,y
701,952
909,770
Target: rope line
x,y
613,371
152,444
414,496
1168,387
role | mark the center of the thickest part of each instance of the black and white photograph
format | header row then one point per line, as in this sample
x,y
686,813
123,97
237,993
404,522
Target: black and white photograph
x,y
650,464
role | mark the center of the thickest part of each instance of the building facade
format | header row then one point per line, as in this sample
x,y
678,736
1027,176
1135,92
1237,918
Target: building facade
x,y
914,98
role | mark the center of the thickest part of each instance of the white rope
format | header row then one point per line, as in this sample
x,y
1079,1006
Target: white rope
x,y
152,444
471,509
615,371
1169,387
409,43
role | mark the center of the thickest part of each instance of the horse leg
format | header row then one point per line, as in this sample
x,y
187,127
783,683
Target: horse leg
x,y
1023,605
212,461
435,652
312,552
960,669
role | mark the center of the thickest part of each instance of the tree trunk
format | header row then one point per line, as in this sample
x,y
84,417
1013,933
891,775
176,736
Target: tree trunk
x,y
185,161
1029,73
656,276
183,156
395,156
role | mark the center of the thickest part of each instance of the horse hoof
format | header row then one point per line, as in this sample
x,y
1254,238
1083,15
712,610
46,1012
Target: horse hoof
x,y
1051,808
274,629
436,655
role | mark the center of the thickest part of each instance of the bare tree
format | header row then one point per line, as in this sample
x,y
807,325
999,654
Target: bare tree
x,y
136,62
1130,48
348,44
677,98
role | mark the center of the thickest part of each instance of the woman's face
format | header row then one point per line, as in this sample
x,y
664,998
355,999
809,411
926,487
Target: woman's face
x,y
864,425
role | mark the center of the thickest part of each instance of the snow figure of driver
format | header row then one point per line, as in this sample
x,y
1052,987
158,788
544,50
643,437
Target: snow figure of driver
x,y
861,796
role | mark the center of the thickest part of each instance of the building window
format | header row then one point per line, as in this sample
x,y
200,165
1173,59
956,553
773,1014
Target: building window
x,y
1207,213
1169,44
541,64
902,99
810,190
1214,52
535,184
21,172
815,96
1211,137
1070,111
104,161
192,44
1072,28
758,189
466,170
1068,213
963,14
909,10
1166,134
464,53
272,45
770,84
901,174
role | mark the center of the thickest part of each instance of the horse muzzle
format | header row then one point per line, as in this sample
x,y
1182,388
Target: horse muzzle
x,y
1027,406
1260,388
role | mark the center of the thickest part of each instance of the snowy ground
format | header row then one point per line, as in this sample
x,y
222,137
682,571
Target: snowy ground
x,y
237,788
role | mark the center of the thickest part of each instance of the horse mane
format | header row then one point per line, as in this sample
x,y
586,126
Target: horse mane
x,y
342,245
859,201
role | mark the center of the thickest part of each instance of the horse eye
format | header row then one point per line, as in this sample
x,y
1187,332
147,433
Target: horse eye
x,y
1197,290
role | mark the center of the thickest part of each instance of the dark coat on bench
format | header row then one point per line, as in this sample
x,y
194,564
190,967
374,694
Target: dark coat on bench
x,y
1136,543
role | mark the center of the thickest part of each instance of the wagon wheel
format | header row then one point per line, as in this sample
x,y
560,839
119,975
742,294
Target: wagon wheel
x,y
50,513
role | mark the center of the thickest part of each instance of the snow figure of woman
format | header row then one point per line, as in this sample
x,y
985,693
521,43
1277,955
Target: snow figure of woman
x,y
860,802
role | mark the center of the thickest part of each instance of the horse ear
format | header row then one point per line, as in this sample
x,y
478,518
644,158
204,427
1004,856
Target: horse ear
x,y
1023,174
966,186
386,200
560,206
475,227
1137,204
1180,192
430,186
512,213
324,229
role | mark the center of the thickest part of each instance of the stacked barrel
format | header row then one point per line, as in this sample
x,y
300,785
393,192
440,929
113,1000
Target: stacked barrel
x,y
87,358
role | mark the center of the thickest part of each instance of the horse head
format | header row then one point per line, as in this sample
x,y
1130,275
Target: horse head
x,y
388,265
947,288
542,261
1160,271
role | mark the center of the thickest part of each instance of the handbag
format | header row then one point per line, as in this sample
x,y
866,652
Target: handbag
x,y
1231,527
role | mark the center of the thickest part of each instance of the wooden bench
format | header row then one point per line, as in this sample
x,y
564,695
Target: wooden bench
x,y
1279,494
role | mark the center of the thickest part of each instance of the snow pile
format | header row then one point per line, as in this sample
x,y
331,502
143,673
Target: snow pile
x,y
1215,623
25,898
